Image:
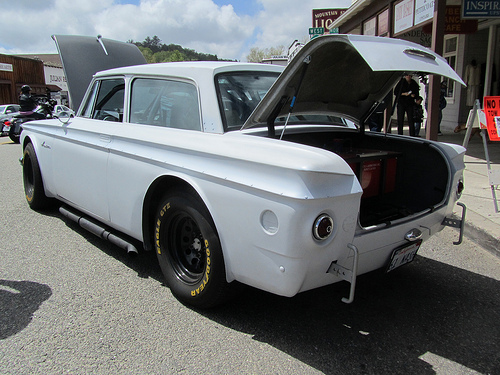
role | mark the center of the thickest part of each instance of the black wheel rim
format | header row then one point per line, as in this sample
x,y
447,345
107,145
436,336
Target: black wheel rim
x,y
186,248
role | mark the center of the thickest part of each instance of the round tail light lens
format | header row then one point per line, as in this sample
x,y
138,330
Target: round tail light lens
x,y
323,227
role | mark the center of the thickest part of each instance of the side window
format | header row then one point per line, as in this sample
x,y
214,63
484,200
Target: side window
x,y
110,99
87,108
165,103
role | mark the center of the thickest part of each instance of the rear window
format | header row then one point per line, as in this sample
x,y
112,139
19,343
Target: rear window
x,y
239,93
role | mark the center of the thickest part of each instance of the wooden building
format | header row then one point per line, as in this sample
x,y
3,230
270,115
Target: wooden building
x,y
16,72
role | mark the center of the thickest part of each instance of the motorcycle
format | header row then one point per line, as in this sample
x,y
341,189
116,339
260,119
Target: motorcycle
x,y
13,126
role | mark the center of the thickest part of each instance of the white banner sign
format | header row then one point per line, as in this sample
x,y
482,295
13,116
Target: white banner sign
x,y
403,15
6,67
424,10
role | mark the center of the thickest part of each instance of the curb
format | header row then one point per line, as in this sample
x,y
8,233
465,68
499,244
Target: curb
x,y
482,238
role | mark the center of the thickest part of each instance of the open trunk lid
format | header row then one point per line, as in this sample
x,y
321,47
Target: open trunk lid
x,y
344,75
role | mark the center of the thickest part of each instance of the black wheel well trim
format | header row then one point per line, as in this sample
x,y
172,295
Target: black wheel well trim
x,y
155,193
26,141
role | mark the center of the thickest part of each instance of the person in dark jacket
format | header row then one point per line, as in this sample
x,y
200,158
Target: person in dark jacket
x,y
28,103
406,91
418,115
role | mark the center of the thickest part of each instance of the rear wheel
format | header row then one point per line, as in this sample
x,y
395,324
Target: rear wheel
x,y
32,179
14,137
189,251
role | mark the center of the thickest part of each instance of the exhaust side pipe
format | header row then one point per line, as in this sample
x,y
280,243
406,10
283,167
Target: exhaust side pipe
x,y
98,231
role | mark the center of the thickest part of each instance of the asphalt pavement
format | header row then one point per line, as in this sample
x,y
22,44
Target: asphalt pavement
x,y
482,223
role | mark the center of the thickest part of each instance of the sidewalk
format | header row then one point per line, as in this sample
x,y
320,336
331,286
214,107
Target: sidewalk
x,y
482,223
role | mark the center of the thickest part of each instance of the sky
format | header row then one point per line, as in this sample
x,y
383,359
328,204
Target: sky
x,y
228,29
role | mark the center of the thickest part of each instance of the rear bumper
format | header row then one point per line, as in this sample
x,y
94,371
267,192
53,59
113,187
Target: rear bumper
x,y
350,274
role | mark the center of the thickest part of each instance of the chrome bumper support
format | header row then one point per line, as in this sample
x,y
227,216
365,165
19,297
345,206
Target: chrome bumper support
x,y
455,223
346,274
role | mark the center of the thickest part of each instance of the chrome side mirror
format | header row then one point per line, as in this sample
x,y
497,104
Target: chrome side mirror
x,y
64,117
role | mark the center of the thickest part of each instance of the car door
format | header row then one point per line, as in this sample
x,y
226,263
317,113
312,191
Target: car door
x,y
81,149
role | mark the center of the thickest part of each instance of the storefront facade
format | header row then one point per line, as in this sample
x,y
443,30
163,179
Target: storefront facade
x,y
451,28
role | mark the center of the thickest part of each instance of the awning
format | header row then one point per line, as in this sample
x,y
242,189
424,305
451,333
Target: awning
x,y
53,88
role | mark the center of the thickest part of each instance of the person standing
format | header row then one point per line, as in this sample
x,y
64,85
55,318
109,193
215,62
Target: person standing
x,y
406,91
442,105
418,115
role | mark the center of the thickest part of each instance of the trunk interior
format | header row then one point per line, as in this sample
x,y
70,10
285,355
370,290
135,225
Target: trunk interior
x,y
399,177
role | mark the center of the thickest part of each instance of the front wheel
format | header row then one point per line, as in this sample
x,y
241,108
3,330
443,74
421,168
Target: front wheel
x,y
32,179
189,251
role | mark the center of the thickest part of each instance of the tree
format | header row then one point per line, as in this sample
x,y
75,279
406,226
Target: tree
x,y
147,53
257,54
154,51
152,43
168,56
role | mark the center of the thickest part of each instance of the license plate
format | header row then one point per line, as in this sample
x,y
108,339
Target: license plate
x,y
403,255
6,128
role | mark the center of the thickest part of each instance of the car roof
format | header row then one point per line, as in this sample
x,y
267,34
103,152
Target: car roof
x,y
189,69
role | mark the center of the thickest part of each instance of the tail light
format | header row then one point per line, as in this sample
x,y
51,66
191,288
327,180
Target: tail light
x,y
323,227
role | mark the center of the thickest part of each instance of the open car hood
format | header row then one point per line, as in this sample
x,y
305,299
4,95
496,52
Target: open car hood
x,y
83,56
344,75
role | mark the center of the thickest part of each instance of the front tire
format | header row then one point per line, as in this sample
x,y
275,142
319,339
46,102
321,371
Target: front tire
x,y
189,252
32,179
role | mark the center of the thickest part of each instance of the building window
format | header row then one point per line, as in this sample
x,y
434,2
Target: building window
x,y
450,54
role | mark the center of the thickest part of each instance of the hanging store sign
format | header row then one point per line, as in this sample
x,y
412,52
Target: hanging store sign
x,y
403,15
383,23
491,107
6,67
454,23
369,27
480,9
424,11
325,17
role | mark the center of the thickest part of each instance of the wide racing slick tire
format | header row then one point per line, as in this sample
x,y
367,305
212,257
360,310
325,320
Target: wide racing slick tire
x,y
32,179
189,252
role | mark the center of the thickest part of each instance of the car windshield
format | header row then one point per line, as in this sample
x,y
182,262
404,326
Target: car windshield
x,y
239,93
2,109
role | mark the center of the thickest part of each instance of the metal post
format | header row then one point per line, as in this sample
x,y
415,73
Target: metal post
x,y
487,155
470,122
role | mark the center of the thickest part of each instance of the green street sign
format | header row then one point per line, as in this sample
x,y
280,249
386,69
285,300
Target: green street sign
x,y
334,30
316,30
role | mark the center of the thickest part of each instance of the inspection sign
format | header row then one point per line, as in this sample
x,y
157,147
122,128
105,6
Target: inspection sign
x,y
491,107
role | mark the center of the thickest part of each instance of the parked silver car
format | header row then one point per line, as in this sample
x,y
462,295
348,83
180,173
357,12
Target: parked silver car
x,y
63,110
6,112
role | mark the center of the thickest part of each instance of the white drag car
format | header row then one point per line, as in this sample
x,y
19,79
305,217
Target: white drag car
x,y
236,172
